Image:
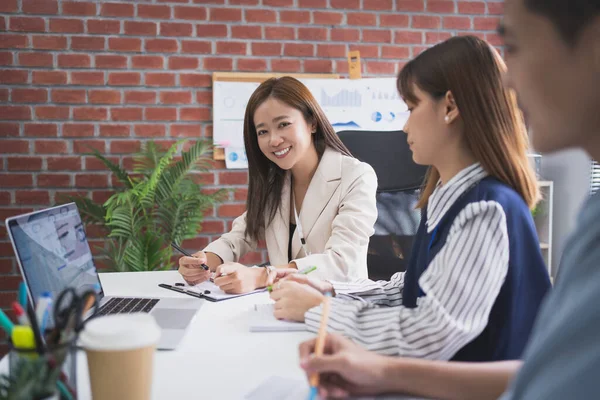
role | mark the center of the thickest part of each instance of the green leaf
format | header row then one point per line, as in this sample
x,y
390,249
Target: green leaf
x,y
91,213
30,379
119,172
161,204
191,160
114,255
147,190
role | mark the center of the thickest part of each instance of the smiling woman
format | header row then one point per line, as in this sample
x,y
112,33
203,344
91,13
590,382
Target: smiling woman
x,y
283,115
308,198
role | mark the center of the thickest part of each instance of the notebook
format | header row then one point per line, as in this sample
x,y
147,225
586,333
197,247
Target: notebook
x,y
262,320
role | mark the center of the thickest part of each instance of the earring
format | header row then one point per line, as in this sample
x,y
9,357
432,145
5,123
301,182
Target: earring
x,y
447,119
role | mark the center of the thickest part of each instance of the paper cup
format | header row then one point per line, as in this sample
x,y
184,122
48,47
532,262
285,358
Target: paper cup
x,y
120,354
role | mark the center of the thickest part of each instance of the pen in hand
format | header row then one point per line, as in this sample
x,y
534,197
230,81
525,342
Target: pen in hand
x,y
304,271
185,253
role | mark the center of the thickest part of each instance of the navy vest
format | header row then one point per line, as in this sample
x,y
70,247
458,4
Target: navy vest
x,y
515,309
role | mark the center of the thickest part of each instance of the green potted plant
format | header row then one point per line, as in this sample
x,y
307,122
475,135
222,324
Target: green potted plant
x,y
156,205
30,380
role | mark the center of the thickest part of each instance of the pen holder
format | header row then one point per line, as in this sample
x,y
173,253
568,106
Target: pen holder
x,y
49,375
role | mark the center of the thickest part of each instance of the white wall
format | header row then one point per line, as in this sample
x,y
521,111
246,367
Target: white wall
x,y
570,171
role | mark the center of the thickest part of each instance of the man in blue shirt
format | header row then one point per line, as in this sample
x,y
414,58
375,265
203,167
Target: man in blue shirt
x,y
552,52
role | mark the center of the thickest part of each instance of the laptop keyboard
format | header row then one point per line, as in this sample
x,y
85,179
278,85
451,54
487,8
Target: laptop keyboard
x,y
125,305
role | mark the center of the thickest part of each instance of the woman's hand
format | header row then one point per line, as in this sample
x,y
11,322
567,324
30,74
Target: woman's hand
x,y
281,273
345,368
234,278
316,283
293,300
191,269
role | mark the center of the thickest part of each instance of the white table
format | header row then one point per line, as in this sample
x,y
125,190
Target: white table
x,y
218,358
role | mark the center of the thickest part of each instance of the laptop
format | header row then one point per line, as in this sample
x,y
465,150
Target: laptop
x,y
53,253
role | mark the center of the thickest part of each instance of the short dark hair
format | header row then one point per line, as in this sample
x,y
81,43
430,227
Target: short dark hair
x,y
570,17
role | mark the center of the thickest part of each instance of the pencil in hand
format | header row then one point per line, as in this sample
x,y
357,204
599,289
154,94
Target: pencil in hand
x,y
304,271
320,345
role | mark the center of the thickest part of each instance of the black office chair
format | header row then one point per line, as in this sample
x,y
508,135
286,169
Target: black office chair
x,y
400,180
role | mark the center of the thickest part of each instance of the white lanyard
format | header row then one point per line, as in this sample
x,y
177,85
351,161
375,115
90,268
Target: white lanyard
x,y
299,228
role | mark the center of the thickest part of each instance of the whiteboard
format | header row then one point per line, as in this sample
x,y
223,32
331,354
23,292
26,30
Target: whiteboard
x,y
371,104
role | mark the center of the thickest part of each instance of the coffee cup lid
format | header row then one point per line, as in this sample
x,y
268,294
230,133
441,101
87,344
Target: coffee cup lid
x,y
120,332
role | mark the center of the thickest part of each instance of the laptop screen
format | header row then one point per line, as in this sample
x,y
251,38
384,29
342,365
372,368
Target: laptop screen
x,y
53,251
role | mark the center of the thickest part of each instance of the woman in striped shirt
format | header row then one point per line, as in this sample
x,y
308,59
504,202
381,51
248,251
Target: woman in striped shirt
x,y
476,276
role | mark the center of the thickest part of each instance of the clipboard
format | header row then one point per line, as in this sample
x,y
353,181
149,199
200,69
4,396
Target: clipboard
x,y
206,290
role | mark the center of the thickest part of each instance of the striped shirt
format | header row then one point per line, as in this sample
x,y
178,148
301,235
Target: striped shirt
x,y
461,284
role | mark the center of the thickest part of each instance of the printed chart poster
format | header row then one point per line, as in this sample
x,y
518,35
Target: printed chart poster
x,y
229,106
371,104
363,104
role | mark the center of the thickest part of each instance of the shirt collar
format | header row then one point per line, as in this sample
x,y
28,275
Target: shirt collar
x,y
444,196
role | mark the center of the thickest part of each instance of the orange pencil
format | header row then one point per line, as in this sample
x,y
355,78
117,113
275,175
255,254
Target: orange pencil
x,y
320,345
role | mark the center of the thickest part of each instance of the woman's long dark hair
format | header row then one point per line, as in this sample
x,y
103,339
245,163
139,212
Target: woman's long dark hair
x,y
266,179
494,130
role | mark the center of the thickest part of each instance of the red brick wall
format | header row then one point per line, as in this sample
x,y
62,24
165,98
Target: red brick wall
x,y
112,74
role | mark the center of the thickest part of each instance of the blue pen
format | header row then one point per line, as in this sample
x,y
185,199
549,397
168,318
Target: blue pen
x,y
23,295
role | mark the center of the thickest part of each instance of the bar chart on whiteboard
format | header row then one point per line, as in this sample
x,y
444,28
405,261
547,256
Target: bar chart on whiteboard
x,y
362,104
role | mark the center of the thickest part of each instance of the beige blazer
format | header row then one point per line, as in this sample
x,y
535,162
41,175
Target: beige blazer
x,y
337,216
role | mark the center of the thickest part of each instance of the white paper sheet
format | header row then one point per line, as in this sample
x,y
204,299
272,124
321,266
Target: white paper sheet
x,y
210,290
284,388
229,105
235,158
360,104
280,388
262,320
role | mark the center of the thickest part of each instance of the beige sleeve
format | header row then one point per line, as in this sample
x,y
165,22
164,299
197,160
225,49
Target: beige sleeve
x,y
234,244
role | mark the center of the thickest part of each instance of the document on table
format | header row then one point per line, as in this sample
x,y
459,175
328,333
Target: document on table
x,y
262,320
212,292
282,388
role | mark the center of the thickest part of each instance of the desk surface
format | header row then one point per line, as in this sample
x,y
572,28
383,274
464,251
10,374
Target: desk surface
x,y
218,358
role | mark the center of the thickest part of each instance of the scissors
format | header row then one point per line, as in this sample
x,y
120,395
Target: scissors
x,y
70,310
